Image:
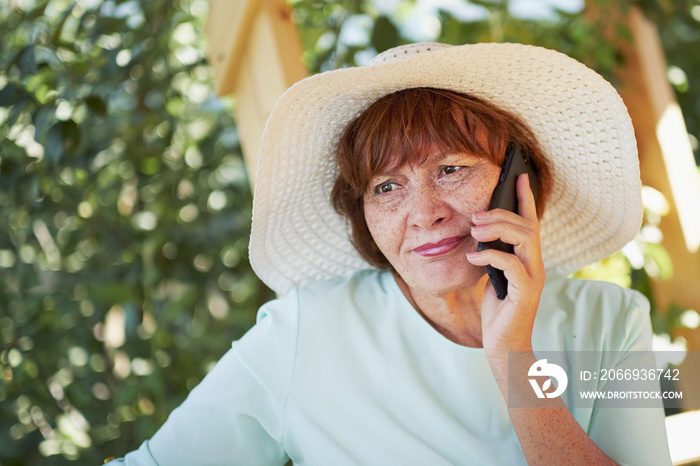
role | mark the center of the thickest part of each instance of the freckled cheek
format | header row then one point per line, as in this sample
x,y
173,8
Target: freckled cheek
x,y
484,198
475,199
479,196
384,226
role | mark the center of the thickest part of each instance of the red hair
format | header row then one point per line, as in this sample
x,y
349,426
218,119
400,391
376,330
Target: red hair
x,y
402,128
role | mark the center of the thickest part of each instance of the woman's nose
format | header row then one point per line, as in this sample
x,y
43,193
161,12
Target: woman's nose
x,y
428,207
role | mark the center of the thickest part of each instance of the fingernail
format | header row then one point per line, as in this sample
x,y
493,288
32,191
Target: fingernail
x,y
480,215
472,255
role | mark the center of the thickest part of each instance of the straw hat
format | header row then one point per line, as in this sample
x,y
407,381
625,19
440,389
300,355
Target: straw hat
x,y
578,118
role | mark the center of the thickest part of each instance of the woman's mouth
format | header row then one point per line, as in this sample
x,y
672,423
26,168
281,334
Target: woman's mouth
x,y
441,247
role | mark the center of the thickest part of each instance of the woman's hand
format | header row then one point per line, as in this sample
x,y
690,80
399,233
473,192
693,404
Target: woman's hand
x,y
507,324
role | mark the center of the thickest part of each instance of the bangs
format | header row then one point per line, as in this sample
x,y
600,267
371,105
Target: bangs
x,y
408,126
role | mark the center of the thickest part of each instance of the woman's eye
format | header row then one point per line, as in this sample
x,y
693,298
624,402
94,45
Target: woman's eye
x,y
449,169
384,188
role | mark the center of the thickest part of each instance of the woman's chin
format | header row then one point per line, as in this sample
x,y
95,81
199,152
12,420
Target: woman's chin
x,y
439,278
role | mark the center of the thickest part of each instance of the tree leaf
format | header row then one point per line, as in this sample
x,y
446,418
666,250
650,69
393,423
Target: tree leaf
x,y
47,56
55,37
97,105
15,112
384,35
42,116
71,135
13,94
54,147
25,60
38,11
62,137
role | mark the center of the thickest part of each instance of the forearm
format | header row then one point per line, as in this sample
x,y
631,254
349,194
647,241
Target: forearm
x,y
547,431
552,436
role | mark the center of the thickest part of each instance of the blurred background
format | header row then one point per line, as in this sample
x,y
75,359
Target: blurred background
x,y
127,147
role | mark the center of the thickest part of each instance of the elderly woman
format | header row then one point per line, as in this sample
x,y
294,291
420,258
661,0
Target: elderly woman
x,y
390,345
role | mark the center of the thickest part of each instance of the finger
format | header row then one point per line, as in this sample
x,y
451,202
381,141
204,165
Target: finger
x,y
521,285
526,200
525,239
517,234
495,215
502,215
512,267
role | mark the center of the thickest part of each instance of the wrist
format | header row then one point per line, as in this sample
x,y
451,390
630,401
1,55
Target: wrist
x,y
506,363
499,353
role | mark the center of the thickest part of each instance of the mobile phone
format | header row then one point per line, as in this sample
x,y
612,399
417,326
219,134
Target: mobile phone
x,y
505,197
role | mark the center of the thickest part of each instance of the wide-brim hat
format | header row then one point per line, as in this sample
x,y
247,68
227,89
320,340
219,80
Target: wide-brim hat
x,y
578,118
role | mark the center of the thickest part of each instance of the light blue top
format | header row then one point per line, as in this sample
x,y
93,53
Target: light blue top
x,y
346,372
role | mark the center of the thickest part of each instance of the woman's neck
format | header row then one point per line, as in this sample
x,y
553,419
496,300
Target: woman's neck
x,y
455,314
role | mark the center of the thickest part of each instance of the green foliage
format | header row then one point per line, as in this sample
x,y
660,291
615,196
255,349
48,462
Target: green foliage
x,y
322,22
124,223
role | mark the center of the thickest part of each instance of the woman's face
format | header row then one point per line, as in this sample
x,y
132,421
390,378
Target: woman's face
x,y
420,216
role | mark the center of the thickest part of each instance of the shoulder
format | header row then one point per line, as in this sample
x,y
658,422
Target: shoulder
x,y
329,303
363,299
308,323
323,293
592,315
603,297
359,287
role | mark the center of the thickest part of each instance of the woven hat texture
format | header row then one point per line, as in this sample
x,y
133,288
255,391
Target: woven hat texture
x,y
578,118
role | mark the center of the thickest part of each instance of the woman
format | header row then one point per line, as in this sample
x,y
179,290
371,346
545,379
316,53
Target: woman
x,y
390,345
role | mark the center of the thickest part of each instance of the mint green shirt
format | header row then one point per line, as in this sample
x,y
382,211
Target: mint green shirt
x,y
346,372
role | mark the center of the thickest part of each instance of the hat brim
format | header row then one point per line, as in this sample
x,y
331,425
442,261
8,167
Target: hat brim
x,y
578,118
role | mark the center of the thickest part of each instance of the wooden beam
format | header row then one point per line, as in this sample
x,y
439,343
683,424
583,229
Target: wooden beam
x,y
670,130
256,64
227,28
667,164
666,159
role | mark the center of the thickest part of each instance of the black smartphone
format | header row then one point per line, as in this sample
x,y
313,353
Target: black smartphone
x,y
505,197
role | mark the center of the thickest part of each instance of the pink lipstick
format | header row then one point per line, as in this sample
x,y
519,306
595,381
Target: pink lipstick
x,y
441,247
